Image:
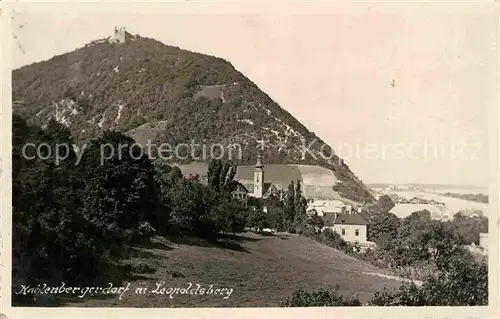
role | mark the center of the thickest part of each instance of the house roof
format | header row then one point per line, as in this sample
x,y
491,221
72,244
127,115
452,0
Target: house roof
x,y
328,219
350,219
405,210
343,219
327,210
365,216
268,186
326,203
241,186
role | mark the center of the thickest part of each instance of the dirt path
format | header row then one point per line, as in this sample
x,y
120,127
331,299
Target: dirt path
x,y
417,282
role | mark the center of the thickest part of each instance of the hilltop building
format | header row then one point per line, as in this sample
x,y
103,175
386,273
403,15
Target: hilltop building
x,y
118,36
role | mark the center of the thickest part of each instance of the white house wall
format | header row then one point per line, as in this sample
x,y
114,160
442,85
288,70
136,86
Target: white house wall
x,y
350,232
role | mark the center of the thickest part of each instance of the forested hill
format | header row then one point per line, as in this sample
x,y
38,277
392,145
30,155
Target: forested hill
x,y
164,94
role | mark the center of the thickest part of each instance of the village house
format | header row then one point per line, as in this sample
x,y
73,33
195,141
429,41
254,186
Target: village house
x,y
323,207
351,227
437,212
240,193
471,213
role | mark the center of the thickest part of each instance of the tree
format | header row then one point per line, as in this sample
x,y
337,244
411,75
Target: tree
x,y
333,239
315,221
459,281
419,241
295,206
50,202
300,204
229,217
123,178
191,206
276,216
290,203
469,228
174,175
383,228
166,177
406,295
442,239
417,221
385,204
221,177
257,219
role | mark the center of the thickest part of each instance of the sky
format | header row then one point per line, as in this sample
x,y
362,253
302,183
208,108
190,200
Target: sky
x,y
403,93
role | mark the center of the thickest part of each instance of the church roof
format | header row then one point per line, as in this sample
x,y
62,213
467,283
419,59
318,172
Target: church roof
x,y
309,191
241,186
268,186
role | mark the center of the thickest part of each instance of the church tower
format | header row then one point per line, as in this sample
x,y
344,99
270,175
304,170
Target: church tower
x,y
258,177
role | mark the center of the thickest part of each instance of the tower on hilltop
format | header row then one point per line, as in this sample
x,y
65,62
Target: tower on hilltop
x,y
118,35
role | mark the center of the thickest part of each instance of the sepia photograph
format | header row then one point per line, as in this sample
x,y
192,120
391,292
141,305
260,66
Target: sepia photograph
x,y
214,155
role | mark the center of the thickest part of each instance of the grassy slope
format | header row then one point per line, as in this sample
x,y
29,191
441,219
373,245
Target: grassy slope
x,y
262,272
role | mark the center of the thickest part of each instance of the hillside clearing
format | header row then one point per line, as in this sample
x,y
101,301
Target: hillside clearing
x,y
317,182
262,270
278,173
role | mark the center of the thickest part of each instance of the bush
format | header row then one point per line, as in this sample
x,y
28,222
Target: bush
x,y
320,298
143,268
407,295
145,232
459,281
333,239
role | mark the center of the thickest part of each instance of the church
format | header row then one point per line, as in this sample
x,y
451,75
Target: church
x,y
260,181
259,188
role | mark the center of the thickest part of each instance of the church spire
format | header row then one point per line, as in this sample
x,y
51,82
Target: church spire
x,y
259,161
